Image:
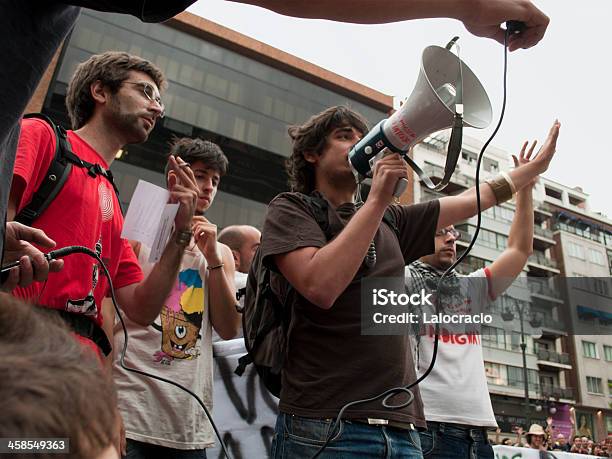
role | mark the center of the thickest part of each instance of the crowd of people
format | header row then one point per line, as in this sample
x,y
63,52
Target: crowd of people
x,y
175,307
548,439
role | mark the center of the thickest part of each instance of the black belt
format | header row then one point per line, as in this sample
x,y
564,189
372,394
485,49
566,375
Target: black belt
x,y
87,328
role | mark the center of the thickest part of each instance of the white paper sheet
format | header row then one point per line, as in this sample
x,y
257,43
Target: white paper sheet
x,y
149,218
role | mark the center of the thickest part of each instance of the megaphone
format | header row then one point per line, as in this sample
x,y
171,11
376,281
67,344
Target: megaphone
x,y
447,94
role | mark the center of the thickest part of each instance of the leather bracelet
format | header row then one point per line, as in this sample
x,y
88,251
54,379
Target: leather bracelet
x,y
509,180
215,267
182,238
501,188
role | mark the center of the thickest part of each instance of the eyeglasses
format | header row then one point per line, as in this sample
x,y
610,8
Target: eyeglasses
x,y
150,93
453,232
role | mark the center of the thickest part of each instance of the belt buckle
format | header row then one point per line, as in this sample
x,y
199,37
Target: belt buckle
x,y
378,422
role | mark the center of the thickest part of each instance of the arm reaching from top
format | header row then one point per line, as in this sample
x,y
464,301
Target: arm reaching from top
x,y
482,18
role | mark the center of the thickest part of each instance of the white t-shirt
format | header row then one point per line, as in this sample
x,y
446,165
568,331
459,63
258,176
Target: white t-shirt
x,y
240,281
178,347
456,389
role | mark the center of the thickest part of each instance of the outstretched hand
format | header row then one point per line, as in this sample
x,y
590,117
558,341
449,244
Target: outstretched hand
x,y
539,162
524,158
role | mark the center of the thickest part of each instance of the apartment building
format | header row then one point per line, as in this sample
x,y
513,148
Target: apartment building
x,y
583,251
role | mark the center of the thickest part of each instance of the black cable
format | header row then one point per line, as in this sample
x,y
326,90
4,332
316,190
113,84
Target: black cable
x,y
406,389
80,249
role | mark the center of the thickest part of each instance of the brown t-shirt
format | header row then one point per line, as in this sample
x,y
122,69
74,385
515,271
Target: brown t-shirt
x,y
329,363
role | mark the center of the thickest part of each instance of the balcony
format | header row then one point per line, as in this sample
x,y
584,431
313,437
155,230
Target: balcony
x,y
539,263
542,288
550,326
544,232
556,392
543,238
554,359
458,182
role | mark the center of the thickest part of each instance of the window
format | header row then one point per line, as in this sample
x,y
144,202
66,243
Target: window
x,y
589,350
600,286
490,165
575,250
516,379
469,157
552,193
608,353
505,214
609,424
493,337
610,387
594,385
496,373
597,257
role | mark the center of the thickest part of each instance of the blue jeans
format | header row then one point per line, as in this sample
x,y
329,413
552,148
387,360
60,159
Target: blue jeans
x,y
301,438
454,441
138,450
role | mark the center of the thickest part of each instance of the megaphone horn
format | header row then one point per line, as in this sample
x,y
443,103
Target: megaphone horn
x,y
447,94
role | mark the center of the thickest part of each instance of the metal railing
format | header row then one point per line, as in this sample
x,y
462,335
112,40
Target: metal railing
x,y
553,356
543,260
542,287
458,178
557,392
545,232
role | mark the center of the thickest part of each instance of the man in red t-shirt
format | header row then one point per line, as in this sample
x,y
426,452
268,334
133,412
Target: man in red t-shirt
x,y
113,99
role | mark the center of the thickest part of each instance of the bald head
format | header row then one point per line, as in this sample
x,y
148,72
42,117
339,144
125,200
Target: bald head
x,y
243,240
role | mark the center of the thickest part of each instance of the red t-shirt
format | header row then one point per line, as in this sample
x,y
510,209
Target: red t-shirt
x,y
85,212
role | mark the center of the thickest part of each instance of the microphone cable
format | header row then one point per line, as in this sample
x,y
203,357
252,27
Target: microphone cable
x,y
511,27
59,253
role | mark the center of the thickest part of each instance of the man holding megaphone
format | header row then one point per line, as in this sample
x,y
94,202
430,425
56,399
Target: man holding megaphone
x,y
329,361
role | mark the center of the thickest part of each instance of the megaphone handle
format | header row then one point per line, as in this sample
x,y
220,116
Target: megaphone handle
x,y
400,187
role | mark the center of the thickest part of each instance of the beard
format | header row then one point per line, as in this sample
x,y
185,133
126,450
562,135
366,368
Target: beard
x,y
126,124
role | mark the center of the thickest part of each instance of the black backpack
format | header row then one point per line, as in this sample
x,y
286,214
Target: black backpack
x,y
266,319
57,174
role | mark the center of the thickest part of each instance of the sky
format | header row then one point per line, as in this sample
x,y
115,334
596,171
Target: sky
x,y
566,76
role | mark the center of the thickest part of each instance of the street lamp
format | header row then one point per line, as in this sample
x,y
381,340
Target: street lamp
x,y
535,322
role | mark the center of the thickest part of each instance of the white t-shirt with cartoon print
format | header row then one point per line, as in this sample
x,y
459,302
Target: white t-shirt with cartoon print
x,y
178,347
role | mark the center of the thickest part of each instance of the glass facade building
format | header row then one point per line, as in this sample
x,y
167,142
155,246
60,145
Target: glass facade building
x,y
215,93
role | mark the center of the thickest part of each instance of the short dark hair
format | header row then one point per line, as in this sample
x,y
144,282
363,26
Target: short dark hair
x,y
111,68
191,150
52,386
312,137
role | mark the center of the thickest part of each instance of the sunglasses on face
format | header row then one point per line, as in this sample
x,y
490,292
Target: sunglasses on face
x,y
150,93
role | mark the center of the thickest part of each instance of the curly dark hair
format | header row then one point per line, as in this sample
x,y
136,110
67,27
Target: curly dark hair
x,y
312,137
111,68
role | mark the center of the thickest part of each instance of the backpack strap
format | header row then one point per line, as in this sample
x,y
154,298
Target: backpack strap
x,y
54,180
389,219
57,174
87,328
319,208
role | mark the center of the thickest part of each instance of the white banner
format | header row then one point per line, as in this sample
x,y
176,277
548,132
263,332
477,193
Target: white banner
x,y
512,452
